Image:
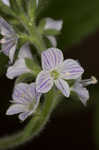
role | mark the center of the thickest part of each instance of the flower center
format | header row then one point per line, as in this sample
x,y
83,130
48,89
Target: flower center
x,y
55,74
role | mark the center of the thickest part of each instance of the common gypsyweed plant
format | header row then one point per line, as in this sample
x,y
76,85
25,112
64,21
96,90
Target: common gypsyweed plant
x,y
55,77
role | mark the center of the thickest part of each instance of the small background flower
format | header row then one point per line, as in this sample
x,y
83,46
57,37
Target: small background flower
x,y
19,67
9,41
25,100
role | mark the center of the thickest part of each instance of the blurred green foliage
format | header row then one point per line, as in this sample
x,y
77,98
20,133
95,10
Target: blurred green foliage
x,y
81,17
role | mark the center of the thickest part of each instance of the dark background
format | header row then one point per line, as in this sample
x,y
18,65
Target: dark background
x,y
71,126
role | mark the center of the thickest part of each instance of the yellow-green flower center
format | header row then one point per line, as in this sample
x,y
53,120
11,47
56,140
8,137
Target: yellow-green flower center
x,y
55,74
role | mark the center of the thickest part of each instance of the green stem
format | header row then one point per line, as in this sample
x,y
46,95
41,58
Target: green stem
x,y
35,125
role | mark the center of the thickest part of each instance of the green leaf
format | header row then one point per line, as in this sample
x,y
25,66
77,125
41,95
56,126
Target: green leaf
x,y
32,66
3,63
26,77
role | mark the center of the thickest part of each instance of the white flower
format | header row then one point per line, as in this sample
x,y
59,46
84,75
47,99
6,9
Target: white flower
x,y
80,88
6,2
9,40
56,70
52,24
19,67
25,100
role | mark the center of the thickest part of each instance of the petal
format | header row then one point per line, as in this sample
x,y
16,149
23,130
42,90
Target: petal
x,y
7,46
53,24
12,52
63,87
5,28
32,91
71,69
17,69
44,82
52,40
51,58
81,92
6,2
25,52
21,94
15,109
23,116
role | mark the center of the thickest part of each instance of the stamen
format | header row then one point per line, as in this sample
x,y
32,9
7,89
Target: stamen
x,y
67,74
87,82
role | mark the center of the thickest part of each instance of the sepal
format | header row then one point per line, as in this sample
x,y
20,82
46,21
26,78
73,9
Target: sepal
x,y
32,66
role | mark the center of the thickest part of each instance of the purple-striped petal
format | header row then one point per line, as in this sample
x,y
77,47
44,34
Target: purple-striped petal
x,y
82,92
23,116
22,93
51,58
15,109
63,87
12,52
17,69
25,52
71,69
44,82
7,45
53,24
5,28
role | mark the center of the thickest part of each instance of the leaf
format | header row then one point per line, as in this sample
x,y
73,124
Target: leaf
x,y
3,63
32,66
26,77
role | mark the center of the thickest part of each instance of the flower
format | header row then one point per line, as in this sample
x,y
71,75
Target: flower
x,y
80,90
19,67
52,24
55,70
25,100
9,40
6,2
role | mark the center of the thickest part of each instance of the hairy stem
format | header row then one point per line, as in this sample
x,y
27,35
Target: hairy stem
x,y
35,125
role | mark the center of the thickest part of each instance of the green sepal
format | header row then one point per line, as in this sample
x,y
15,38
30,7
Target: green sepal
x,y
34,67
14,6
51,32
41,25
26,77
31,9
